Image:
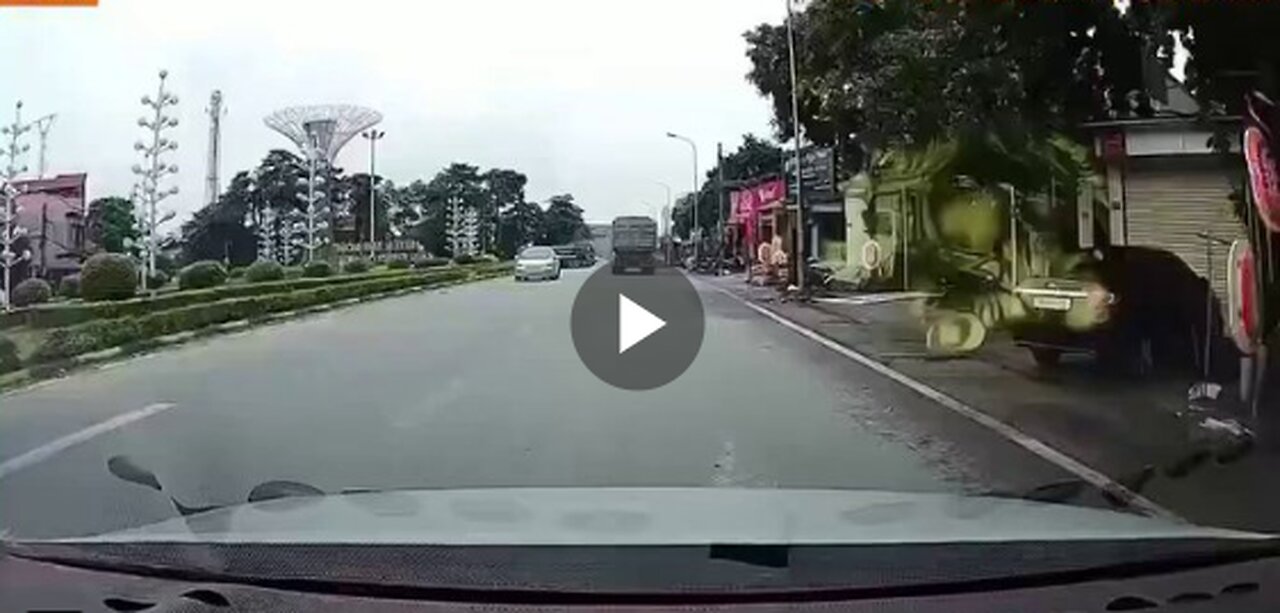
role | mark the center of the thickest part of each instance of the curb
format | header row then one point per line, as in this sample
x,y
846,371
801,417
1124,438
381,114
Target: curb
x,y
25,378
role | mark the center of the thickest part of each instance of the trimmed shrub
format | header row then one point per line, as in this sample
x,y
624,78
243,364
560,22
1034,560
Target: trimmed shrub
x,y
293,272
108,276
202,275
69,286
239,271
430,262
317,269
357,266
9,361
31,291
263,271
95,335
157,280
398,265
466,258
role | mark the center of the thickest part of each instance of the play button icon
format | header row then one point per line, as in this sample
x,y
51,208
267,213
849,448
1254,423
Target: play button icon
x,y
637,332
635,323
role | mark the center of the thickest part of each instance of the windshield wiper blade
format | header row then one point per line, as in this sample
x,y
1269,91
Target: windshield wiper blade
x,y
124,468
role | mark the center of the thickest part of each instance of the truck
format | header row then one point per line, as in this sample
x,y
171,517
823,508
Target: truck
x,y
635,244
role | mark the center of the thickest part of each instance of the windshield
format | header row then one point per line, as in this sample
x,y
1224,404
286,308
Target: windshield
x,y
537,253
581,260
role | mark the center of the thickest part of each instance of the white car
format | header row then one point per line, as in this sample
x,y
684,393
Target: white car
x,y
537,263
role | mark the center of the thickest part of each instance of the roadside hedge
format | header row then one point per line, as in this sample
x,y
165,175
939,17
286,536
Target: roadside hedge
x,y
316,270
96,335
263,271
59,315
8,356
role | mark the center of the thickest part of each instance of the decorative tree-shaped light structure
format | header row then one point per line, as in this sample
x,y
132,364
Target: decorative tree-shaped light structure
x,y
153,168
10,231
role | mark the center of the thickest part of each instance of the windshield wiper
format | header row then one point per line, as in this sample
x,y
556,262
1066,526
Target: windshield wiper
x,y
124,468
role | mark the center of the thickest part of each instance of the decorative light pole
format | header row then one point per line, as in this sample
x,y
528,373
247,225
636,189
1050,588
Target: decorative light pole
x,y
373,136
154,168
11,232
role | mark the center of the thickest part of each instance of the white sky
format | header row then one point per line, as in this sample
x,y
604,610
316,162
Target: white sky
x,y
577,94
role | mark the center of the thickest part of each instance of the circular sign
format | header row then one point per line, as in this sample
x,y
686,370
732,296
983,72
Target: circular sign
x,y
1263,180
637,332
871,255
1242,296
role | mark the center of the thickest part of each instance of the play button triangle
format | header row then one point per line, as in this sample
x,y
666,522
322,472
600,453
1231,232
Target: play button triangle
x,y
635,323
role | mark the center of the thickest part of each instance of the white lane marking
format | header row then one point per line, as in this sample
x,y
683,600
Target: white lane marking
x,y
1032,444
56,446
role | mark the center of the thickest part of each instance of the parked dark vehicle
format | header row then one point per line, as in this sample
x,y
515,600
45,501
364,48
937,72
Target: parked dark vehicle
x,y
635,244
1136,329
577,255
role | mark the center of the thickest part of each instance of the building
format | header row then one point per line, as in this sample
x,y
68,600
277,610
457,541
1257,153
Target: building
x,y
1167,188
53,214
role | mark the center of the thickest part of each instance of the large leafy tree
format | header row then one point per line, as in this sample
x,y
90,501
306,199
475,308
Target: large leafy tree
x,y
223,231
451,192
873,75
357,192
562,222
111,222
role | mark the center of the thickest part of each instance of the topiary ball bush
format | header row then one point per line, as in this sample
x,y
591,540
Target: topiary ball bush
x,y
397,264
108,276
157,280
9,361
466,258
236,273
202,275
31,291
69,286
264,271
293,272
357,266
317,269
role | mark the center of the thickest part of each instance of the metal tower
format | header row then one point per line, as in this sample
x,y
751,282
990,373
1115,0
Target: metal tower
x,y
320,132
42,126
212,186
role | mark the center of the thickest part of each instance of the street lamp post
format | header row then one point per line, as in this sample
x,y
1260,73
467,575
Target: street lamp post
x,y
795,130
694,194
373,136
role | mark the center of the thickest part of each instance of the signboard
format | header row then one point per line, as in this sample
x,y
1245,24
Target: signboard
x,y
817,173
383,251
1264,175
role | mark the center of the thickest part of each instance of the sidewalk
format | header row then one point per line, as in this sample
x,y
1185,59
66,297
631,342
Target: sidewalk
x,y
1204,470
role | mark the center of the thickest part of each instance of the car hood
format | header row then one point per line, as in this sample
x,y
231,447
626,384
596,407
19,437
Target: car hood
x,y
653,516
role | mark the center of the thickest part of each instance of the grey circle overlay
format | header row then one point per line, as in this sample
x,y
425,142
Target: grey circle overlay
x,y
658,359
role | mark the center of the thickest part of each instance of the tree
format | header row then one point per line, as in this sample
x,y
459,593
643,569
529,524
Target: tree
x,y
873,75
222,231
111,222
756,158
562,222
518,226
407,206
447,197
358,192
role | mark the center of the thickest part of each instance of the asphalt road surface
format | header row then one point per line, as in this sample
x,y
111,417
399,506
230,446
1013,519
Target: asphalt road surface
x,y
473,386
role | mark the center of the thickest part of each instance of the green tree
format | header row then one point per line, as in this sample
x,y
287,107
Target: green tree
x,y
562,222
451,191
519,225
111,222
222,231
756,158
358,193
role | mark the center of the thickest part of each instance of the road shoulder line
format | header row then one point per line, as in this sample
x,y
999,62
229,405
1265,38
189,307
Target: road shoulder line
x,y
1032,444
60,444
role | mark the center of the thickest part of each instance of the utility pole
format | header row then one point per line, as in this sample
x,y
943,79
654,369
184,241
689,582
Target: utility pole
x,y
798,256
693,225
720,218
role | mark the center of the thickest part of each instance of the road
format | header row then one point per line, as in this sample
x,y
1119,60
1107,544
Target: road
x,y
473,386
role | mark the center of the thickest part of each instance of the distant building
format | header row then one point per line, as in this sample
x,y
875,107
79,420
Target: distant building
x,y
53,213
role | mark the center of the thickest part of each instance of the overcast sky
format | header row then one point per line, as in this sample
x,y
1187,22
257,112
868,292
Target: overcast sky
x,y
577,94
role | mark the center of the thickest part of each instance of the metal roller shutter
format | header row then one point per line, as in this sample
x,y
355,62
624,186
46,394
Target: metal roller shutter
x,y
1169,201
